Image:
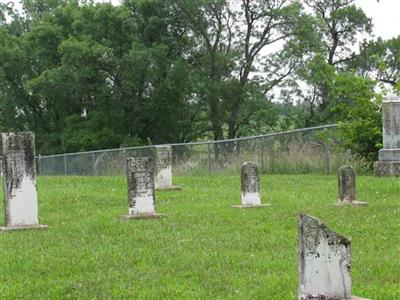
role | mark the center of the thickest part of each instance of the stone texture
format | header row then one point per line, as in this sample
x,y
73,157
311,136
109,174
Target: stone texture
x,y
324,261
163,168
347,184
389,156
387,168
250,184
250,187
141,194
19,170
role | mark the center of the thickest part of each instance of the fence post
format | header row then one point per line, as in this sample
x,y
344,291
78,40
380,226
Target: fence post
x,y
327,159
39,164
93,164
209,157
124,166
65,164
261,155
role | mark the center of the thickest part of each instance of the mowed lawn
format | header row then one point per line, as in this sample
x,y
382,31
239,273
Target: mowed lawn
x,y
204,249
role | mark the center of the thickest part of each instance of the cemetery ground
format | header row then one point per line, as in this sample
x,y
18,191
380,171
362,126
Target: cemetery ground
x,y
204,249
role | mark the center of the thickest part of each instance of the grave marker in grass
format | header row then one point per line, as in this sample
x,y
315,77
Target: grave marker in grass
x,y
324,262
141,195
163,168
19,177
347,187
250,187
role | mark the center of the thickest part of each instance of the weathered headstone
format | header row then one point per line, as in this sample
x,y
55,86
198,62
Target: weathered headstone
x,y
163,178
141,195
250,187
389,157
324,262
19,170
347,186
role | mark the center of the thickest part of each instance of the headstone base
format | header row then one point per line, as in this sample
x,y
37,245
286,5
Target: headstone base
x,y
23,227
250,206
143,216
169,188
387,168
351,203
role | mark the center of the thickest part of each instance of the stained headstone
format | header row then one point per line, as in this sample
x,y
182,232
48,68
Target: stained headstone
x,y
163,177
19,170
389,157
347,186
324,262
141,195
250,186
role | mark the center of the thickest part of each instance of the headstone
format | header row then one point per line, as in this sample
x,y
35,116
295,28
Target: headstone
x,y
250,186
163,178
19,170
389,157
141,195
324,262
347,186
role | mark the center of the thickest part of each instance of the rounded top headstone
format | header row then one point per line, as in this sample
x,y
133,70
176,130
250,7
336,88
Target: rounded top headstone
x,y
249,164
346,168
249,177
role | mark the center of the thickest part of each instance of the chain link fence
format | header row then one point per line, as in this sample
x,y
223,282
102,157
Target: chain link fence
x,y
311,150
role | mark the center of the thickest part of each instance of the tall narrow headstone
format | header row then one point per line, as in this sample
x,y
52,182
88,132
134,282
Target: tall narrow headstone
x,y
141,195
163,177
347,186
19,178
324,262
389,157
250,186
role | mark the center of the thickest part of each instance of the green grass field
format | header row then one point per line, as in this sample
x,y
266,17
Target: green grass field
x,y
204,249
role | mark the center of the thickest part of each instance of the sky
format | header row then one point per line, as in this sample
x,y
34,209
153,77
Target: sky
x,y
385,15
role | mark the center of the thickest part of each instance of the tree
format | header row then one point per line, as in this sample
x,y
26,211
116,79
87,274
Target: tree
x,y
339,22
380,60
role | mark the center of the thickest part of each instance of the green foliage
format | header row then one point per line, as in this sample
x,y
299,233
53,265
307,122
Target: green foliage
x,y
178,71
380,59
360,110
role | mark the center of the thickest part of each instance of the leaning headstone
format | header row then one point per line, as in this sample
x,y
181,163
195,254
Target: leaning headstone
x,y
347,186
141,195
324,262
19,170
163,178
250,187
389,157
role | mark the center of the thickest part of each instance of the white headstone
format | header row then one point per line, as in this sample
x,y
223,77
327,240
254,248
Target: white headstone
x,y
19,170
141,194
250,184
163,177
324,262
163,168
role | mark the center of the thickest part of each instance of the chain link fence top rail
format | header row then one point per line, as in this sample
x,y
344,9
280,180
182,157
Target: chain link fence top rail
x,y
309,150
